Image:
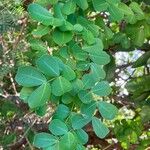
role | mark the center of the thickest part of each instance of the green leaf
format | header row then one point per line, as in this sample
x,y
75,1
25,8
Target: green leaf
x,y
57,127
85,96
41,31
52,2
83,4
57,11
89,25
141,61
107,110
61,86
137,10
83,65
41,111
88,81
43,140
38,45
99,128
102,88
101,57
62,38
88,109
68,73
82,136
29,76
67,98
78,28
42,15
78,121
48,65
80,147
97,47
25,93
69,7
139,85
61,112
68,142
88,37
125,9
77,85
53,147
115,13
108,33
40,96
97,71
67,26
140,37
110,70
78,53
100,5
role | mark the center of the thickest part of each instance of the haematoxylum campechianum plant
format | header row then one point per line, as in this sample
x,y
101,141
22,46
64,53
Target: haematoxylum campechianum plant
x,y
71,49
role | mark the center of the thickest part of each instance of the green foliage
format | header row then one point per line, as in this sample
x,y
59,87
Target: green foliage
x,y
71,67
108,111
43,140
29,77
99,128
129,131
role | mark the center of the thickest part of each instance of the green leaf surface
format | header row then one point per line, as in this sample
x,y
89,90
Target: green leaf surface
x,y
96,47
69,7
77,85
115,13
85,96
41,14
68,73
100,5
88,37
78,53
97,72
62,38
99,128
53,147
88,109
83,4
137,10
25,93
43,140
102,88
29,76
78,121
141,61
89,25
48,65
41,111
67,98
61,112
40,96
38,45
61,86
80,147
58,127
82,136
40,31
68,141
107,110
101,57
88,81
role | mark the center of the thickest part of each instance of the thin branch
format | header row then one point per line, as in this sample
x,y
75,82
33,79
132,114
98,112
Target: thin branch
x,y
24,22
13,84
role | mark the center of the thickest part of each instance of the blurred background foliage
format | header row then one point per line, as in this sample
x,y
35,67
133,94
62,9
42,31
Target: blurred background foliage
x,y
128,72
